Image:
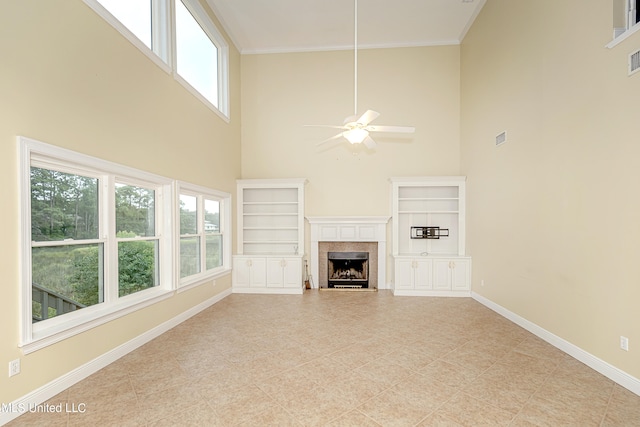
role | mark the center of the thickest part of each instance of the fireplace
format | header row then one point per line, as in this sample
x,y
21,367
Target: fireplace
x,y
348,234
348,270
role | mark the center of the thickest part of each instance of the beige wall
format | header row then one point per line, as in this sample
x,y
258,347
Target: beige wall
x,y
412,87
69,79
553,214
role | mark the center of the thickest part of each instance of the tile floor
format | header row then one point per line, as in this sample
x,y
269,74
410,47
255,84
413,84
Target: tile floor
x,y
345,359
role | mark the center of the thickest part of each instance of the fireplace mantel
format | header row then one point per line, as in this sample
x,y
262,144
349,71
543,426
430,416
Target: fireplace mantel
x,y
349,229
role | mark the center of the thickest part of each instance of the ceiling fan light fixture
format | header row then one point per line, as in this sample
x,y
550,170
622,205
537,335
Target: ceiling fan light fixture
x,y
356,135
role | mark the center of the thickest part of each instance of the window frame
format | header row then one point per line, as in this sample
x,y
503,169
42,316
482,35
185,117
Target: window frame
x,y
201,193
163,41
31,152
631,14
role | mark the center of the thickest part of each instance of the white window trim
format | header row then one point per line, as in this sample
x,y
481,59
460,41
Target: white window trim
x,y
199,14
630,28
164,43
161,38
34,337
225,229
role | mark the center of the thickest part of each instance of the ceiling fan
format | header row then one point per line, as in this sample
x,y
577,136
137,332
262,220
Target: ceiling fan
x,y
356,129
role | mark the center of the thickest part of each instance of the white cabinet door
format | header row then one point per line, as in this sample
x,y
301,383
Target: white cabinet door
x,y
241,272
422,274
451,274
441,274
413,273
258,270
284,273
274,272
460,277
403,274
249,272
292,273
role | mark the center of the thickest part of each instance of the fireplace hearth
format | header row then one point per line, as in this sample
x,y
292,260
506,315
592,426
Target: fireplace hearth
x,y
348,270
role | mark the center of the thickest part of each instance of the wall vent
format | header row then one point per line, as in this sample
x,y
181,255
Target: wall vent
x,y
634,62
501,138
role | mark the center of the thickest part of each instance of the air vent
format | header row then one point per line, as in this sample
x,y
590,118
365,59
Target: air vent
x,y
501,138
634,62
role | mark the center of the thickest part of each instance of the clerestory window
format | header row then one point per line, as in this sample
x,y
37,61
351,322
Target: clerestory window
x,y
626,17
181,38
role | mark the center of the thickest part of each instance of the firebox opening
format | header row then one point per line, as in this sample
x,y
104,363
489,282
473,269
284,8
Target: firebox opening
x,y
348,269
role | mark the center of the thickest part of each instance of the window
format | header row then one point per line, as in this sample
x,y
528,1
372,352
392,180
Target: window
x,y
94,241
196,54
66,268
626,17
199,58
138,242
204,239
135,15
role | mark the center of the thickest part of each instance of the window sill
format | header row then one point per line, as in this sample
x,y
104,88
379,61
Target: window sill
x,y
65,327
622,37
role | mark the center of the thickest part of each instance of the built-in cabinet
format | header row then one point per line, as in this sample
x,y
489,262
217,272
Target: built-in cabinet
x,y
270,234
428,228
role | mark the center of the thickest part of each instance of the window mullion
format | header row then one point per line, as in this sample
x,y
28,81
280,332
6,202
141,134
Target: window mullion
x,y
110,284
200,231
161,29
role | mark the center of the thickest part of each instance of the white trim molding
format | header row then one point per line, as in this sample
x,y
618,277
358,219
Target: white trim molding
x,y
617,375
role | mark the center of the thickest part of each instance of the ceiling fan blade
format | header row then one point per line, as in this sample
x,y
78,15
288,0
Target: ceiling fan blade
x,y
368,117
395,129
330,139
369,142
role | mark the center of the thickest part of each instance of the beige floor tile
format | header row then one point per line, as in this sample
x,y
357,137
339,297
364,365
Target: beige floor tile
x,y
623,409
468,411
201,415
509,396
438,420
345,359
448,373
318,406
273,416
541,411
287,386
408,402
240,404
353,419
393,408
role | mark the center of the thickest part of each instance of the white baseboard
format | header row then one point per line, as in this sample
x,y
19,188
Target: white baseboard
x,y
62,383
620,377
430,293
274,291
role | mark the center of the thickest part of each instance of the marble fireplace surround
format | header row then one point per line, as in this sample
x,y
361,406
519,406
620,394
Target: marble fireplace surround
x,y
348,234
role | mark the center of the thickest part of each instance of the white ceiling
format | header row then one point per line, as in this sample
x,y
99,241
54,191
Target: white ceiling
x,y
268,26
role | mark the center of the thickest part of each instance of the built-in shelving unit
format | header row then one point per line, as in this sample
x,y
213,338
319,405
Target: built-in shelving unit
x,y
270,234
422,209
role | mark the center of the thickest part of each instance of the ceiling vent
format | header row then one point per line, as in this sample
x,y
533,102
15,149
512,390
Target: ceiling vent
x,y
501,138
634,62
